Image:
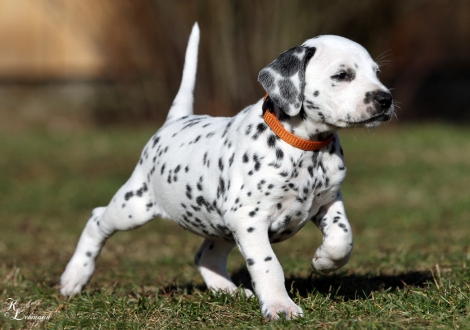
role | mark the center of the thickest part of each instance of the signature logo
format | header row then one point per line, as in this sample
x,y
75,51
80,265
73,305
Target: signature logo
x,y
13,309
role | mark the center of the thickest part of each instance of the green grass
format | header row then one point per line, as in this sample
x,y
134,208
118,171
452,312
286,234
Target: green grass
x,y
407,198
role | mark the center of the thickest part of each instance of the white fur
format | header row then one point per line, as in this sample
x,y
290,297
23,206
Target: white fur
x,y
183,103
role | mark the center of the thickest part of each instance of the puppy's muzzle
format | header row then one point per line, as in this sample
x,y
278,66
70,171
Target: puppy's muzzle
x,y
379,106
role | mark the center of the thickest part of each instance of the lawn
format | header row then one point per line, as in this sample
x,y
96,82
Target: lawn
x,y
407,196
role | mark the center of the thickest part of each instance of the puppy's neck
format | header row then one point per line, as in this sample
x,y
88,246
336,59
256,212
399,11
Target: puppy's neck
x,y
302,125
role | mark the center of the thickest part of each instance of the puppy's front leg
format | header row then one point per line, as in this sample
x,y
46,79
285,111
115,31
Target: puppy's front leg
x,y
266,272
337,243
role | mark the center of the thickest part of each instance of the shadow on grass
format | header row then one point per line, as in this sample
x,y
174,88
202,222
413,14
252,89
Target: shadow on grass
x,y
340,286
353,286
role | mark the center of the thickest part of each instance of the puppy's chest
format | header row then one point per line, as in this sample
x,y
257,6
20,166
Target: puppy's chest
x,y
312,181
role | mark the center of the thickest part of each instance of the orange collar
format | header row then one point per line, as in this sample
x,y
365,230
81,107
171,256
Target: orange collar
x,y
290,138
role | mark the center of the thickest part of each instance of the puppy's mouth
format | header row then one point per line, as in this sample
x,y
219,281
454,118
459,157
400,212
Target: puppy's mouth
x,y
369,122
377,119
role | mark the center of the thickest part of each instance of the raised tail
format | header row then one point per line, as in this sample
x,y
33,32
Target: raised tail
x,y
183,102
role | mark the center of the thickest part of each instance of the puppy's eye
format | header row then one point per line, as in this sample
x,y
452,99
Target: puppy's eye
x,y
342,75
377,72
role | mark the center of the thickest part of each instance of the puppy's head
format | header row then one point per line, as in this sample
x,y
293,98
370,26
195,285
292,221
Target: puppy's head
x,y
329,80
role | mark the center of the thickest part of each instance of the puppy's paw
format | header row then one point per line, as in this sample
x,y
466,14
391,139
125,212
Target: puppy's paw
x,y
272,311
326,265
77,273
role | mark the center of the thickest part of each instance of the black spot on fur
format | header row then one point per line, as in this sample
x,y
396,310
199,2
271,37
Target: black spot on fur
x,y
221,187
188,191
260,128
250,262
227,127
288,90
245,158
310,171
221,164
128,195
200,201
155,141
257,162
271,141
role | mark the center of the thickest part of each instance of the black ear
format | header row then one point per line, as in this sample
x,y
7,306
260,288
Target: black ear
x,y
284,78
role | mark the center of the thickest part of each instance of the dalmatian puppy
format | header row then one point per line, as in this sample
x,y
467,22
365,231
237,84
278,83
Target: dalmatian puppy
x,y
235,181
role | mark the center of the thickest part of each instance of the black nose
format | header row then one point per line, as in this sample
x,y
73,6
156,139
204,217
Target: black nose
x,y
384,100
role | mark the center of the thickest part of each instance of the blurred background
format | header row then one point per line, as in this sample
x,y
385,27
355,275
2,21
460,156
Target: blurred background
x,y
66,65
85,83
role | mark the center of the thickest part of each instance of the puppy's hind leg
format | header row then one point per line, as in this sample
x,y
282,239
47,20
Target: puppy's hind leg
x,y
211,261
131,207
